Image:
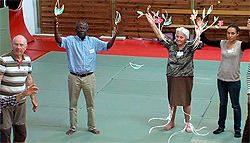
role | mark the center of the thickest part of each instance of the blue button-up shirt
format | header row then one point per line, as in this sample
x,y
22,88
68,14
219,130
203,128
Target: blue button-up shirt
x,y
82,54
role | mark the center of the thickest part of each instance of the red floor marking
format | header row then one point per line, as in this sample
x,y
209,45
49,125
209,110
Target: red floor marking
x,y
128,47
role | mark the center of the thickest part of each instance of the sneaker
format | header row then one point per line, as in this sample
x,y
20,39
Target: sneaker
x,y
237,134
218,131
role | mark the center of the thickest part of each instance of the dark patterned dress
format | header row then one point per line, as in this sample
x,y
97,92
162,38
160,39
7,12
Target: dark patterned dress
x,y
180,72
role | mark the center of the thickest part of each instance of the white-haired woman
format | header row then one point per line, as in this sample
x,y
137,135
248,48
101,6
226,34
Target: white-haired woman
x,y
180,70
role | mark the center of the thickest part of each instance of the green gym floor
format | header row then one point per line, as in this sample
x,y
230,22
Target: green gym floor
x,y
125,100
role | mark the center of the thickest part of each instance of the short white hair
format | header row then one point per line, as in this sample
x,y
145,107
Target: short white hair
x,y
183,30
25,40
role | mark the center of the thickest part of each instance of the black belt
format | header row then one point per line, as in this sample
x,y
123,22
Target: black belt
x,y
81,75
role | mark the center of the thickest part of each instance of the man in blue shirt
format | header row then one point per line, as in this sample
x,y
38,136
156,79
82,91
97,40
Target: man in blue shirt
x,y
81,52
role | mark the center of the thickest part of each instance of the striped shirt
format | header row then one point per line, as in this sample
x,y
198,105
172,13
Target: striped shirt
x,y
14,74
248,78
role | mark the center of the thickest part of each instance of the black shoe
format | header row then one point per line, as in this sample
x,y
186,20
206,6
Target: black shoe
x,y
218,131
237,134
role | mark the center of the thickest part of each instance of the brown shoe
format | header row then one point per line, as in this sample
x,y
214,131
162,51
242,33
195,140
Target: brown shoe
x,y
95,131
70,132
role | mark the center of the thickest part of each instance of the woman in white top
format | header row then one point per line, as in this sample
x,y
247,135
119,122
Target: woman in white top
x,y
228,77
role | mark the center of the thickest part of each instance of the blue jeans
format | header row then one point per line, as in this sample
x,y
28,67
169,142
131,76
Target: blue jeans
x,y
234,93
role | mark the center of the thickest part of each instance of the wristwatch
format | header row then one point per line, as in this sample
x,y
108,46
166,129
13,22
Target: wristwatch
x,y
22,96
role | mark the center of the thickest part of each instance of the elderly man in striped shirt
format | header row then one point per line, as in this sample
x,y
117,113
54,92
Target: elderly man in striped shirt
x,y
15,75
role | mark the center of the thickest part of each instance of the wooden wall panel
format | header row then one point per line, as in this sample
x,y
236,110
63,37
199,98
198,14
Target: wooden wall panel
x,y
131,26
97,13
226,5
234,5
100,16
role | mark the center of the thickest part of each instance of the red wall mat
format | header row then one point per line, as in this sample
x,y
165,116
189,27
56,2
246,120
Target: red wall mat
x,y
34,55
17,25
